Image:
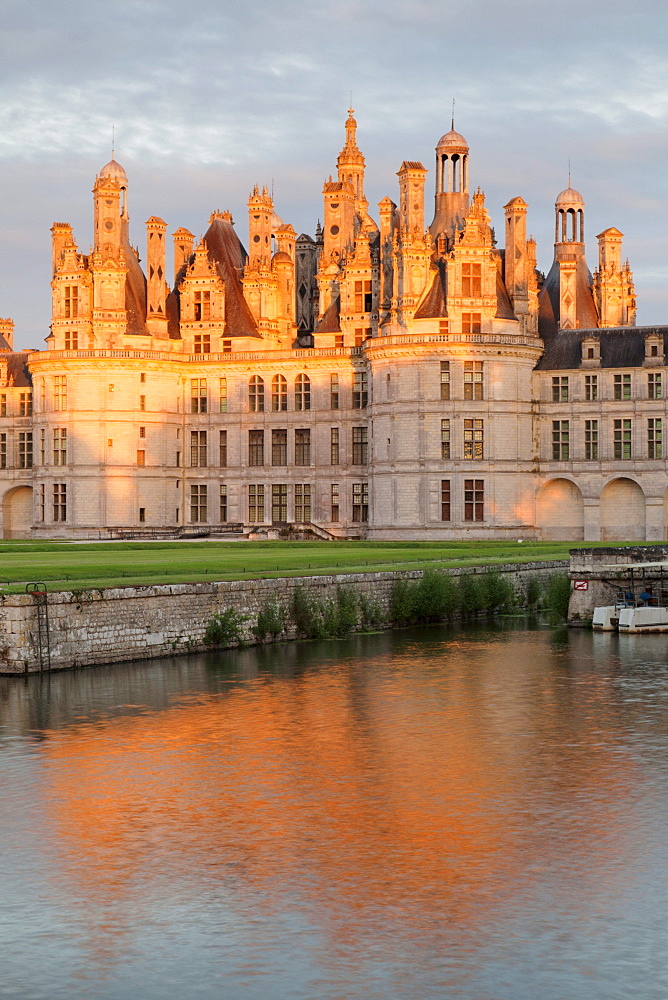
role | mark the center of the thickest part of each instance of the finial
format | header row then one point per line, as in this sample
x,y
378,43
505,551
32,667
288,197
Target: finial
x,y
569,173
453,114
113,140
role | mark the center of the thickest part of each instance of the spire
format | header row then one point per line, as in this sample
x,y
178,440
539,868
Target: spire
x,y
452,124
351,130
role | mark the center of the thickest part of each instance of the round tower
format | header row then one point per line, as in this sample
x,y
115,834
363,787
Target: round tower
x,y
452,184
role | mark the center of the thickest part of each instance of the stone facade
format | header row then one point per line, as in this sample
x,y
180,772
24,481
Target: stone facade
x,y
132,623
381,379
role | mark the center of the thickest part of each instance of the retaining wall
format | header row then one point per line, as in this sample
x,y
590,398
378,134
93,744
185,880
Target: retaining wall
x,y
130,623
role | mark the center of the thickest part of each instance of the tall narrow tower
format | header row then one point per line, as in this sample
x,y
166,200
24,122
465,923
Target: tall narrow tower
x,y
452,184
350,163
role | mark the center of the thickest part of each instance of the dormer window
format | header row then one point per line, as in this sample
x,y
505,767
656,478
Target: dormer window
x,y
591,352
202,306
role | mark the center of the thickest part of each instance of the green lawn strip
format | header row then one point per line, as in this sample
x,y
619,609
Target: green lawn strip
x,y
66,566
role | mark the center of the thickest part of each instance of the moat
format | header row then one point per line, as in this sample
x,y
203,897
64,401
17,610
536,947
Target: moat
x,y
476,813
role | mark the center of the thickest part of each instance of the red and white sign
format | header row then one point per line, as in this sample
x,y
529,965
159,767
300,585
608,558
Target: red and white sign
x,y
580,584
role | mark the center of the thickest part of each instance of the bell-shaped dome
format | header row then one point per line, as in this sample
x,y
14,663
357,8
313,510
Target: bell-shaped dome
x,y
452,140
113,170
569,196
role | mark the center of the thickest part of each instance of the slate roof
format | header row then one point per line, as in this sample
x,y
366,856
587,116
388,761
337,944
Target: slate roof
x,y
433,305
330,322
621,347
548,300
17,369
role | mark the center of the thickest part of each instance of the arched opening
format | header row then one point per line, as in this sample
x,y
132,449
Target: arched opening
x,y
622,512
17,512
560,511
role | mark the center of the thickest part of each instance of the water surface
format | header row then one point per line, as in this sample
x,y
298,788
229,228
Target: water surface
x,y
477,814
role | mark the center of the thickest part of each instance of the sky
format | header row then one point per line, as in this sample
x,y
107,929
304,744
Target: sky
x,y
207,99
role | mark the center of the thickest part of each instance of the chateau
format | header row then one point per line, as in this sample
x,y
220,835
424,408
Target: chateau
x,y
389,378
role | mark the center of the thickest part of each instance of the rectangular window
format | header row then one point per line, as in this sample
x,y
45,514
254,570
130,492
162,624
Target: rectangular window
x,y
360,502
654,386
198,395
198,504
360,390
591,388
42,502
279,503
142,403
471,281
142,376
42,447
334,446
202,343
222,513
622,439
338,340
3,451
25,404
279,448
445,380
202,308
445,499
560,440
71,340
474,500
655,437
255,504
142,514
59,501
334,502
71,301
227,347
622,386
198,449
334,391
3,404
471,322
142,432
222,449
560,389
256,447
279,394
303,447
141,457
302,502
473,380
223,395
25,450
445,440
60,392
473,439
360,446
359,337
60,446
591,440
363,297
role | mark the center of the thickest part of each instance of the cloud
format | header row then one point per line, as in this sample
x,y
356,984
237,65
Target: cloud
x,y
207,100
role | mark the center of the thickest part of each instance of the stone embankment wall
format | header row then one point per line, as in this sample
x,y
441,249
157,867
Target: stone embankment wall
x,y
609,571
131,623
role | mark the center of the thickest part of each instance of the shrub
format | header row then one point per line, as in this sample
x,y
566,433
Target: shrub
x,y
534,592
498,593
402,602
558,595
347,610
225,627
471,594
370,611
271,620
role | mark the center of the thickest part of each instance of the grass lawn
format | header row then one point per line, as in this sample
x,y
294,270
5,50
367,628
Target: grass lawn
x,y
73,566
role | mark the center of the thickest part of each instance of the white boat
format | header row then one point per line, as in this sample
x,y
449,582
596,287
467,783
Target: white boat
x,y
606,618
643,619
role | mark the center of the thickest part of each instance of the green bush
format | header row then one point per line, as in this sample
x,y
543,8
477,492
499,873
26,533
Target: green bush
x,y
370,612
225,627
471,595
498,593
534,592
347,610
558,595
402,602
271,620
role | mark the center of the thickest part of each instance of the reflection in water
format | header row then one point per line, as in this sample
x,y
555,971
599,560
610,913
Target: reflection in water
x,y
432,813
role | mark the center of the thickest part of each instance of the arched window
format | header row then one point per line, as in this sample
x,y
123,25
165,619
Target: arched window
x,y
279,393
302,392
256,394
